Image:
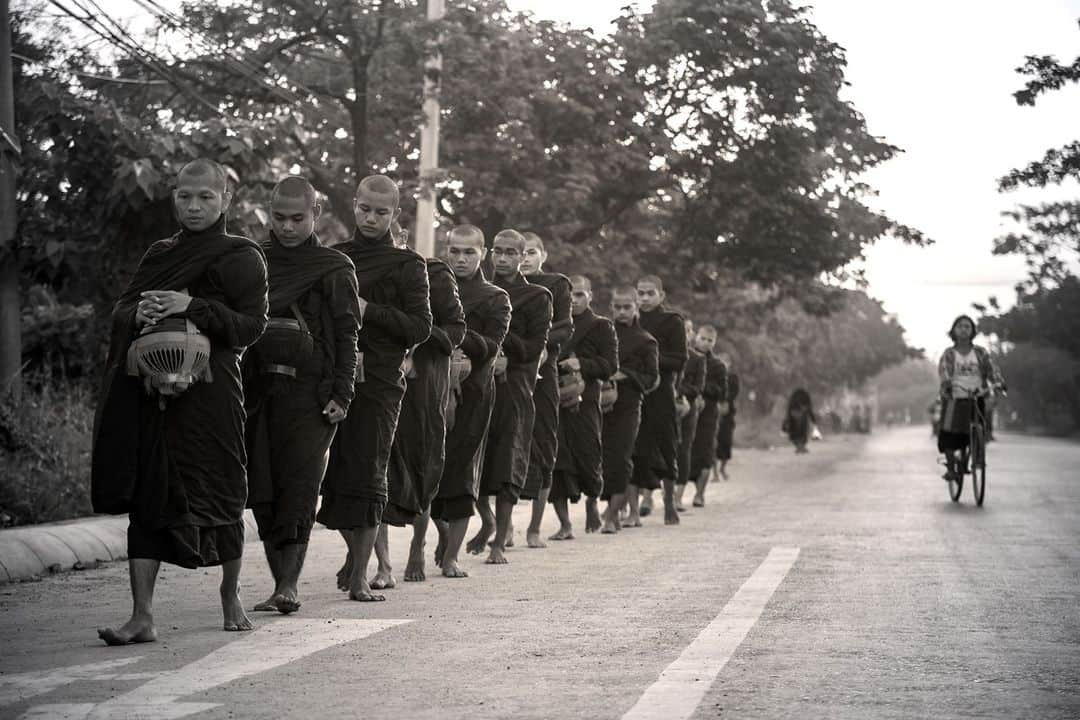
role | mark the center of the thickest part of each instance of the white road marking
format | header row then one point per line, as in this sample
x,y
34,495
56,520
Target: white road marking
x,y
23,686
682,685
270,646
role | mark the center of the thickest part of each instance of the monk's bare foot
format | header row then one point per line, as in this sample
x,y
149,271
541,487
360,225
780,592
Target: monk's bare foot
x,y
480,540
440,550
509,536
267,605
135,630
671,516
610,528
679,507
699,501
344,573
236,620
383,581
592,516
414,570
282,602
563,533
532,539
496,557
366,596
452,570
632,521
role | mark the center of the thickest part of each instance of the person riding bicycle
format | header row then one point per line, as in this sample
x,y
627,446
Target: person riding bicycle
x,y
968,375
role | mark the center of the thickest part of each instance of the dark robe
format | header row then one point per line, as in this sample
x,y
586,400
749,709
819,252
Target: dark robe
x,y
545,442
288,436
506,457
725,432
487,319
656,451
703,454
691,384
180,472
799,418
394,283
639,362
579,468
418,453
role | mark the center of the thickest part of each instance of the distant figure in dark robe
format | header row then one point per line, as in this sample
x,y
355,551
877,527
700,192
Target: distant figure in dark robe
x,y
170,457
691,384
416,459
656,461
714,393
487,319
506,457
393,285
292,418
725,432
545,445
593,353
638,374
799,419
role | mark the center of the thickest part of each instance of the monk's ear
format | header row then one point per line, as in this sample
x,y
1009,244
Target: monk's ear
x,y
397,214
316,211
483,254
226,201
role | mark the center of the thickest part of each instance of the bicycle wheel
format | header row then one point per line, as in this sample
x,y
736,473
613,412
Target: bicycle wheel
x,y
956,475
978,463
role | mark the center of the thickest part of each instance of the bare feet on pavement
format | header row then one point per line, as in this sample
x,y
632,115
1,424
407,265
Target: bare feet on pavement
x,y
136,630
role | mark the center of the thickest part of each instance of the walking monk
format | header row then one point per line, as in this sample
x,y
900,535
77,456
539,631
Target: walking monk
x,y
292,418
545,443
656,462
173,459
725,433
593,352
487,317
714,394
416,460
691,384
506,457
393,286
638,374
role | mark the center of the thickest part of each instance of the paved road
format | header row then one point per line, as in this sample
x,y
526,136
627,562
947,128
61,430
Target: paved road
x,y
840,584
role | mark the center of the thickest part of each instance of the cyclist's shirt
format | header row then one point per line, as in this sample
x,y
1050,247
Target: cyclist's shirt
x,y
967,378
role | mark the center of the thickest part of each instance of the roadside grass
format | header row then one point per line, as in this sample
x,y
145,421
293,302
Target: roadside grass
x,y
45,453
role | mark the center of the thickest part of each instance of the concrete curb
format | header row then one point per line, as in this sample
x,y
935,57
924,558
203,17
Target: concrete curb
x,y
30,552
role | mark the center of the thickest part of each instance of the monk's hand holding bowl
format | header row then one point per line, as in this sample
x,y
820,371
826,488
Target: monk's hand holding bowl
x,y
500,364
571,363
407,367
619,375
543,356
160,304
334,413
699,402
722,407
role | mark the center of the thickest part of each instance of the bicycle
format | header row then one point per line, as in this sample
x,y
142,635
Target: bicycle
x,y
972,459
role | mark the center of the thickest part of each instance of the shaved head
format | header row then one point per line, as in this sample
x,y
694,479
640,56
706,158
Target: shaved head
x,y
654,280
707,329
294,186
512,238
580,282
205,168
625,292
380,185
466,235
532,238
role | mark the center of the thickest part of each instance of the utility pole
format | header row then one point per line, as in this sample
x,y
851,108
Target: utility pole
x,y
10,329
429,139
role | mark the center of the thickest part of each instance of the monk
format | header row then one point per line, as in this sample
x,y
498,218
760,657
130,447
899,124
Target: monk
x,y
714,395
173,458
416,460
487,319
294,413
725,433
545,444
656,462
592,351
691,384
506,457
638,374
396,314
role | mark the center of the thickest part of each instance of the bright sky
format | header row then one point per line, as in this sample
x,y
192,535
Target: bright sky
x,y
936,78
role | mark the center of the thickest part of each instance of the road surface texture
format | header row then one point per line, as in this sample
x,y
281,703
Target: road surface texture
x,y
840,584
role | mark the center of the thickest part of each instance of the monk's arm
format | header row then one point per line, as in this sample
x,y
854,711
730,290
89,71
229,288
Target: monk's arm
x,y
715,382
674,353
448,329
241,319
341,292
562,320
526,348
604,361
643,370
411,323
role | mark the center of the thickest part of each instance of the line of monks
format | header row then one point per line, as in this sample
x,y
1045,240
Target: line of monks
x,y
405,391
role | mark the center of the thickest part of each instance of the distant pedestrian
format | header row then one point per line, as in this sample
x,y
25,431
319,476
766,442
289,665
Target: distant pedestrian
x,y
799,419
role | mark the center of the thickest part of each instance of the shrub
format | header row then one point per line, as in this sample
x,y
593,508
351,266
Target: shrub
x,y
45,453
